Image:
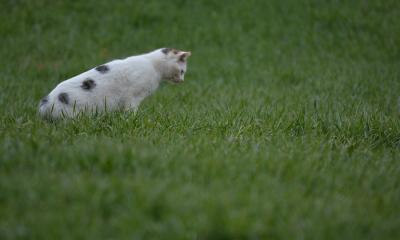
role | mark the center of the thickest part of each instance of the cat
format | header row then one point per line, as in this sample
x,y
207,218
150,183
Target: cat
x,y
116,85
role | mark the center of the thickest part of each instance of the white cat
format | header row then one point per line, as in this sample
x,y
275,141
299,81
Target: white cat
x,y
117,85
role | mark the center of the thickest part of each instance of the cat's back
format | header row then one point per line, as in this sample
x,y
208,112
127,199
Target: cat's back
x,y
109,76
101,72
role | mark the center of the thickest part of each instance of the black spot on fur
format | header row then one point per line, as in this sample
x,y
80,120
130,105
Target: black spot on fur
x,y
44,100
166,50
88,84
103,68
63,97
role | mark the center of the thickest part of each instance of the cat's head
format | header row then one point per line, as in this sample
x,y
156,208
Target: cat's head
x,y
176,62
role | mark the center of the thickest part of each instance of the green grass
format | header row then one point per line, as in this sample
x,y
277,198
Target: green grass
x,y
287,126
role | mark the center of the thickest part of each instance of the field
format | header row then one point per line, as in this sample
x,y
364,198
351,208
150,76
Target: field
x,y
286,127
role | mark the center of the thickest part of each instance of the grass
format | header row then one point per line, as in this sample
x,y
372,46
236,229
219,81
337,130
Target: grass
x,y
287,126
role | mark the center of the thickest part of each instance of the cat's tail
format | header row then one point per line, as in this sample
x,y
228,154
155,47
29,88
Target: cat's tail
x,y
53,108
46,108
50,109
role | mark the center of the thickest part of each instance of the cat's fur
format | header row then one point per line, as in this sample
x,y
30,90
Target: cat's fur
x,y
116,85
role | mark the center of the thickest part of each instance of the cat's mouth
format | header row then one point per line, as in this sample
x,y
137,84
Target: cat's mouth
x,y
177,81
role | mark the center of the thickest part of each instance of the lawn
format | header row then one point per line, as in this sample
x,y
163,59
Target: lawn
x,y
286,127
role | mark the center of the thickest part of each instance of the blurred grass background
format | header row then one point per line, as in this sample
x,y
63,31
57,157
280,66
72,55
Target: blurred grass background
x,y
287,125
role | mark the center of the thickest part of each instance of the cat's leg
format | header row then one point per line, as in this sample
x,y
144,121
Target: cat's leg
x,y
133,104
131,108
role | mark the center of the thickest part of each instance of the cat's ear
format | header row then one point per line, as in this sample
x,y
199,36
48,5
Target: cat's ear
x,y
182,56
